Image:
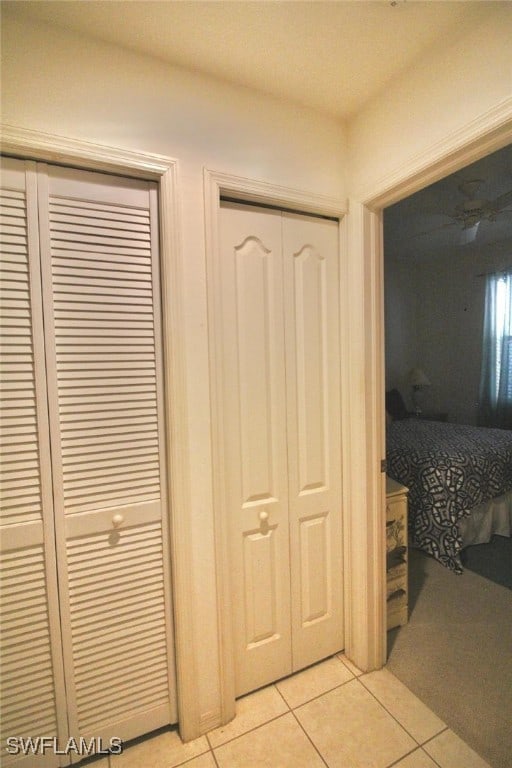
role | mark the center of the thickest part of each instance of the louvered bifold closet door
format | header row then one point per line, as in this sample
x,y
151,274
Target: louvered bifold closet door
x,y
99,246
32,686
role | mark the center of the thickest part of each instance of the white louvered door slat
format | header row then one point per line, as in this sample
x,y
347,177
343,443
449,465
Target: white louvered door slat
x,y
101,295
32,699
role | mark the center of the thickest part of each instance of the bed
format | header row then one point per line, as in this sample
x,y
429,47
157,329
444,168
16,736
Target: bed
x,y
460,483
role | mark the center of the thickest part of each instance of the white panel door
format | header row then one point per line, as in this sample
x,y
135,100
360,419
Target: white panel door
x,y
99,238
255,442
311,279
32,692
281,426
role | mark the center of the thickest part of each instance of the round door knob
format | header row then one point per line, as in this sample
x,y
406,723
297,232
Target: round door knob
x,y
263,516
117,519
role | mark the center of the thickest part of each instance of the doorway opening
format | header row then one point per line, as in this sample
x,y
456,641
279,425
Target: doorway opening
x,y
435,263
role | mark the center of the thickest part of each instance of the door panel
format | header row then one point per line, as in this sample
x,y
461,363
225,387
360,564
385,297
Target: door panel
x,y
32,699
255,307
102,339
255,449
117,619
310,252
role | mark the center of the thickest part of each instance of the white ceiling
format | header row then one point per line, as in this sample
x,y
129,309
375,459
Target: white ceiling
x,y
330,56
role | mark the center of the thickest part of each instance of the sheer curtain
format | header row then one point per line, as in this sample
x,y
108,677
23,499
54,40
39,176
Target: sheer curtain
x,y
495,408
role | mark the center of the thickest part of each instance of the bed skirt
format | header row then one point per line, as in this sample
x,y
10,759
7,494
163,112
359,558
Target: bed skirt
x,y
492,517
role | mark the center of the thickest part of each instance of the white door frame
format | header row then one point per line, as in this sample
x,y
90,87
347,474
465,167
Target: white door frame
x,y
366,640
215,185
21,142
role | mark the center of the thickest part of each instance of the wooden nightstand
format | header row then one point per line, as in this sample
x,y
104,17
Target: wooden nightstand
x,y
396,554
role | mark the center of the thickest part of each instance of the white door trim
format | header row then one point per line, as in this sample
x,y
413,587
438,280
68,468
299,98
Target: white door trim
x,y
488,133
29,144
215,185
364,482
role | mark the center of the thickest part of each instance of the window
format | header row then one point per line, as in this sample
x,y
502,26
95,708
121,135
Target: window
x,y
496,378
503,335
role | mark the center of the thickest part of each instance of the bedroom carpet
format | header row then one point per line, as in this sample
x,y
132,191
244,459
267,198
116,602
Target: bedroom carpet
x,y
455,654
492,561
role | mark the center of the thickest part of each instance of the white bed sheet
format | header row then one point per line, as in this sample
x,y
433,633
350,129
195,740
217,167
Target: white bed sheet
x,y
493,517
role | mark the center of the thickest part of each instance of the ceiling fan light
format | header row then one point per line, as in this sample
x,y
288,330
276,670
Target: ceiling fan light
x,y
471,221
468,233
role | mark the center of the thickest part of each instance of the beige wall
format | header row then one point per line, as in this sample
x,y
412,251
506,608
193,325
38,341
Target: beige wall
x,y
429,106
60,83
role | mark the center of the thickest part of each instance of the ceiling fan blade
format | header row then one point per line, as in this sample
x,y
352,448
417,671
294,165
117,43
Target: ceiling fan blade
x,y
434,229
503,200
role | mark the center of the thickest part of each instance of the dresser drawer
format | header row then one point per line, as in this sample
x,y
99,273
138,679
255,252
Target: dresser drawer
x,y
396,554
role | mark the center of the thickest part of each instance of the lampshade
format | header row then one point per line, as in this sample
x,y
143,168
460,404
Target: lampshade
x,y
418,378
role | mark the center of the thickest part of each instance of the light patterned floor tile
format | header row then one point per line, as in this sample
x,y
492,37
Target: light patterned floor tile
x,y
251,711
417,759
416,718
165,750
312,682
351,729
449,751
279,744
203,761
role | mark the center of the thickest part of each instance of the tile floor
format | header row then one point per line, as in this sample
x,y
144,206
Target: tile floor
x,y
328,715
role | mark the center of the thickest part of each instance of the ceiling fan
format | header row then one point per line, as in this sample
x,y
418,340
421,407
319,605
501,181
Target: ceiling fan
x,y
472,211
469,213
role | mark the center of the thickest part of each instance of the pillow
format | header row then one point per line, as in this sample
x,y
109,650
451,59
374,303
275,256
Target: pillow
x,y
395,405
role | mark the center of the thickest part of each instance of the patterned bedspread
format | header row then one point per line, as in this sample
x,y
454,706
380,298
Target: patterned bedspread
x,y
449,469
